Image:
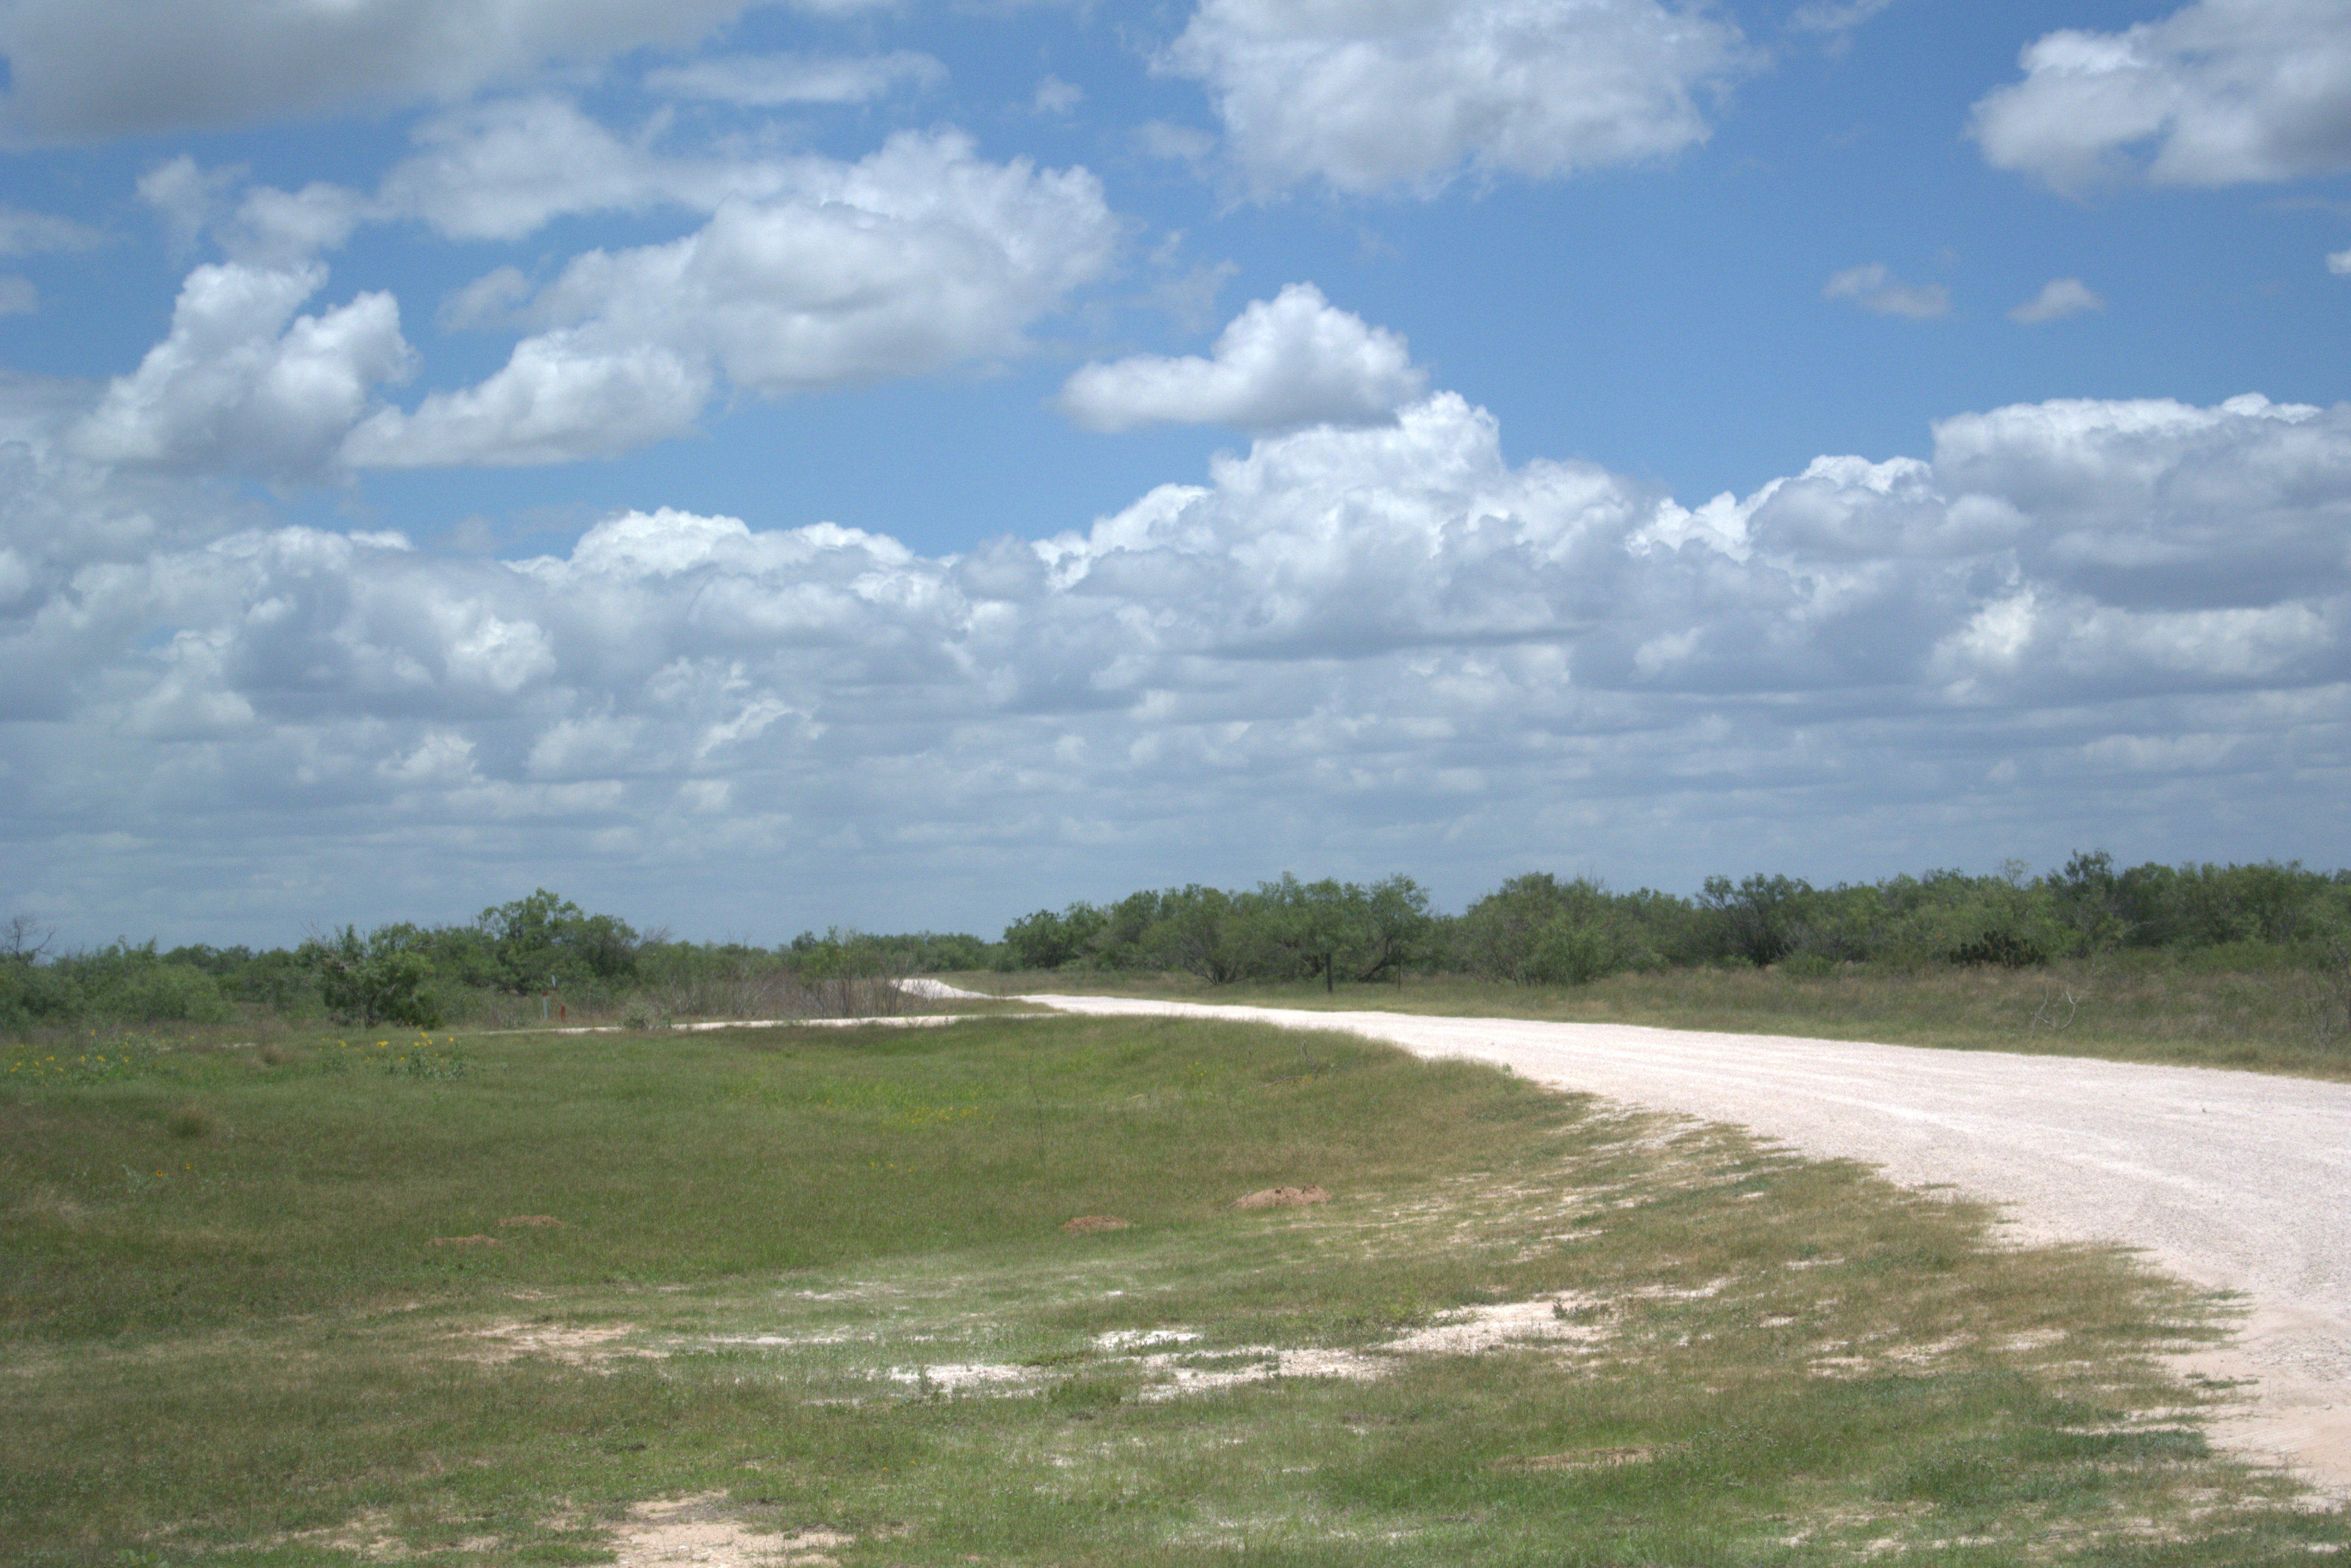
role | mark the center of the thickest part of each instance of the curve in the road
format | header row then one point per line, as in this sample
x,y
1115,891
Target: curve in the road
x,y
2233,1181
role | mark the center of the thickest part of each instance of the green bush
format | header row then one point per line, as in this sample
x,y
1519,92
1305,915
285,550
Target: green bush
x,y
1538,930
378,979
116,983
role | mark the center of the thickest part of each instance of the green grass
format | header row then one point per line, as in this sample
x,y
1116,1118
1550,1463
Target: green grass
x,y
2233,1011
813,1285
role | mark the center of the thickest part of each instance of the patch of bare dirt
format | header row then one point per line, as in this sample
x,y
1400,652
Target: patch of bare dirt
x,y
1473,1331
704,1531
367,1536
1581,1459
1281,1197
1088,1224
2283,1385
963,1376
582,1347
1563,1322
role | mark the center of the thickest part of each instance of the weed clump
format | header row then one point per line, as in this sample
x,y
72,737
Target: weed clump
x,y
424,1057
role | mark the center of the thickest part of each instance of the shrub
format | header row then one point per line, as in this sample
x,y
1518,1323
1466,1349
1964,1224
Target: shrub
x,y
1536,930
542,942
2004,948
1046,940
378,979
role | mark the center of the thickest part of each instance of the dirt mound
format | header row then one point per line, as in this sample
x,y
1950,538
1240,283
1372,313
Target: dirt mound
x,y
1281,1197
1087,1224
463,1241
538,1221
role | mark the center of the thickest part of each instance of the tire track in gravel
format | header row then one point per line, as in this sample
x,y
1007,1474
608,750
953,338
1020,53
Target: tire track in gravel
x,y
2234,1181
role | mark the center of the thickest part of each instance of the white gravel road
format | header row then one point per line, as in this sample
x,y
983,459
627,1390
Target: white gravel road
x,y
2234,1181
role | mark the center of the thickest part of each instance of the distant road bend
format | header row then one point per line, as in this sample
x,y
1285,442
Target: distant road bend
x,y
2234,1181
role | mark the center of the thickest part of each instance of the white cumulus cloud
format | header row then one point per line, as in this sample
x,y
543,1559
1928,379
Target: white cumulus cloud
x,y
1295,360
501,169
2220,92
915,258
241,384
1408,93
2339,262
562,396
810,273
2059,297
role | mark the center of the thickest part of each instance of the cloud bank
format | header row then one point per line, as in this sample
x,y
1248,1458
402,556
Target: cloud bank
x,y
2074,617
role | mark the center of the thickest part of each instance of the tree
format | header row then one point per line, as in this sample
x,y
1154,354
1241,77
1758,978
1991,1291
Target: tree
x,y
1118,942
2088,899
1536,930
1756,919
25,939
1330,928
1195,933
543,940
372,979
1393,928
1046,940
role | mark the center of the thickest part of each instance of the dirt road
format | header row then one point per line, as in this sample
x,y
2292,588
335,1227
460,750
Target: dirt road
x,y
2231,1180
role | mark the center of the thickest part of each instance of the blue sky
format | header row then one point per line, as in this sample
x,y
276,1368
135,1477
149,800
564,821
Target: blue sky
x,y
752,467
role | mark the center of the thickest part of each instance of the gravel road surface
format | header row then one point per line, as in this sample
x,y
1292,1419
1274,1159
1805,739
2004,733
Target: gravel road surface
x,y
2233,1181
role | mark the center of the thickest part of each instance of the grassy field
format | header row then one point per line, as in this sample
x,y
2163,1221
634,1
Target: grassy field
x,y
807,1295
2245,1010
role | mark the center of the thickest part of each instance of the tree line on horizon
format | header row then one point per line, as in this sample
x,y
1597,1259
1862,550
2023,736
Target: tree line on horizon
x,y
1534,929
1541,929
